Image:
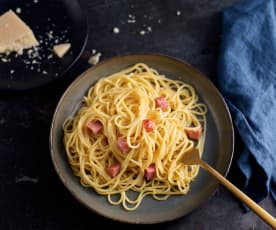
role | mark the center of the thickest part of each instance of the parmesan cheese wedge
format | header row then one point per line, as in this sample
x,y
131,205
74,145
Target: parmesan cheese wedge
x,y
15,35
61,49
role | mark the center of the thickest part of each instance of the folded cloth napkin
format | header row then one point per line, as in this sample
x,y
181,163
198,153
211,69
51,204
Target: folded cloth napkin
x,y
247,80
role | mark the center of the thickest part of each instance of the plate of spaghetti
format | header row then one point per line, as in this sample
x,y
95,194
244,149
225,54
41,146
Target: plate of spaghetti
x,y
121,128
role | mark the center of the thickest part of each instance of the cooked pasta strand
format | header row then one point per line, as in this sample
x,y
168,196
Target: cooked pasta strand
x,y
120,104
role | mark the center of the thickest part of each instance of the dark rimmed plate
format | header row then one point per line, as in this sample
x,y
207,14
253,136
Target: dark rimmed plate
x,y
218,148
52,21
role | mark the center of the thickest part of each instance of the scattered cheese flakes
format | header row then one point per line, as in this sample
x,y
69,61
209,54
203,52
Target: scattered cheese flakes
x,y
61,49
131,18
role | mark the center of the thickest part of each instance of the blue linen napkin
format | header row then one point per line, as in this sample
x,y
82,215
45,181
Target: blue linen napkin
x,y
247,80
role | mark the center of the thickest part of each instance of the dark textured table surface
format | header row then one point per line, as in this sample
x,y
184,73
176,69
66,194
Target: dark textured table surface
x,y
31,195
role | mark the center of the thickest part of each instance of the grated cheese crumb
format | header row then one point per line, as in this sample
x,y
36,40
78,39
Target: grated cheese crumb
x,y
142,32
94,59
18,10
116,30
4,59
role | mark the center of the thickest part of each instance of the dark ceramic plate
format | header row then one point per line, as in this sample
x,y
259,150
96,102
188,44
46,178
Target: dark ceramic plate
x,y
218,148
52,21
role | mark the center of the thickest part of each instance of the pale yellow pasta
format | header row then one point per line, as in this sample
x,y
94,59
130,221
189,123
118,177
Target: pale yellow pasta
x,y
121,102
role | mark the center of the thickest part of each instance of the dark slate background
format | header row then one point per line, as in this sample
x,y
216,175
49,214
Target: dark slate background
x,y
25,117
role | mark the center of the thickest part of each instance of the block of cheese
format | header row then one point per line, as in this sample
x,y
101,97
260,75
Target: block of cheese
x,y
61,49
15,35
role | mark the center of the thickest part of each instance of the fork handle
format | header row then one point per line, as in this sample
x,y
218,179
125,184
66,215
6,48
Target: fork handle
x,y
269,219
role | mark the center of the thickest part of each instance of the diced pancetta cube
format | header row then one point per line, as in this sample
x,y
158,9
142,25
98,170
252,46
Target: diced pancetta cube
x,y
194,133
149,125
123,145
94,126
114,169
162,103
150,172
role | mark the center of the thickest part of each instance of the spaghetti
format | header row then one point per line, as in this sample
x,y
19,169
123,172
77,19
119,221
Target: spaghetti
x,y
126,140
